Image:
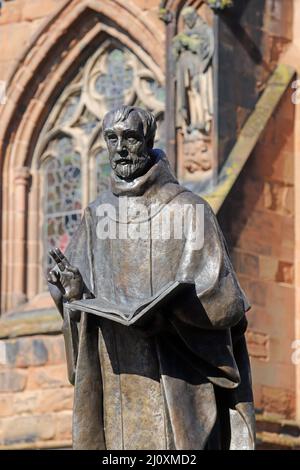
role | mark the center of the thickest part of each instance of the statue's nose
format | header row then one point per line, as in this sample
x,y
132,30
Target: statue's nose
x,y
121,148
120,145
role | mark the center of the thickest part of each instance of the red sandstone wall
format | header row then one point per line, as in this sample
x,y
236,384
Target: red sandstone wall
x,y
21,19
258,220
35,397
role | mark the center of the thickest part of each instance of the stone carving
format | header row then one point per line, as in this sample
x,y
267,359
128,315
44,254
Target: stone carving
x,y
193,51
181,379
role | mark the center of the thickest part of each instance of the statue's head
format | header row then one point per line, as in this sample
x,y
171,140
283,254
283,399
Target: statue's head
x,y
129,135
189,15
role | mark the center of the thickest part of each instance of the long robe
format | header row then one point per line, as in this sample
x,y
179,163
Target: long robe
x,y
182,382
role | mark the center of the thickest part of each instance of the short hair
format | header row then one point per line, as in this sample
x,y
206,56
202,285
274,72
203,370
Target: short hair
x,y
121,114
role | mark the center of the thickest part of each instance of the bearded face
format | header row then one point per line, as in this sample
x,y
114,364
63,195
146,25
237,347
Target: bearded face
x,y
127,148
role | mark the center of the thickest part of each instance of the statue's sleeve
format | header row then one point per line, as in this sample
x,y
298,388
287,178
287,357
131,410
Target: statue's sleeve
x,y
217,302
79,253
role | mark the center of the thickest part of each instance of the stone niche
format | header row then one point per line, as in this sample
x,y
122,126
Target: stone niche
x,y
237,51
193,50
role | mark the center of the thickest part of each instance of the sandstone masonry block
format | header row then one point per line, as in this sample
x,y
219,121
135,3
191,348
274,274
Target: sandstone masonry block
x,y
278,400
47,377
33,351
6,68
148,4
25,352
273,374
257,292
12,381
63,423
56,349
11,37
268,268
32,9
258,345
249,264
251,240
55,400
10,13
6,405
27,429
24,402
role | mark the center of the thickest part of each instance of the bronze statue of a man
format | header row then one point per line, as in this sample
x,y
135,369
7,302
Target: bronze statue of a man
x,y
181,380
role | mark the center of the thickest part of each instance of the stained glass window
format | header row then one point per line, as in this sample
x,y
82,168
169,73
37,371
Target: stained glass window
x,y
74,161
103,171
118,78
62,202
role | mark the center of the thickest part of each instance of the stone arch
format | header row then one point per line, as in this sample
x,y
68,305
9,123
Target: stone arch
x,y
43,69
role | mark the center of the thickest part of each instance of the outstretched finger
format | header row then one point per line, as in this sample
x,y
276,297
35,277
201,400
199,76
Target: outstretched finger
x,y
62,257
57,260
66,262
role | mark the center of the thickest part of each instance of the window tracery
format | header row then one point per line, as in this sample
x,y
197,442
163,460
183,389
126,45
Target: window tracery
x,y
71,152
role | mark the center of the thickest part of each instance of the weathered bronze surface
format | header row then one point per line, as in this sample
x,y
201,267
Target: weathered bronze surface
x,y
183,380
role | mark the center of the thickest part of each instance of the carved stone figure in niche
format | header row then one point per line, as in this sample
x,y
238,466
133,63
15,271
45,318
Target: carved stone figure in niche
x,y
193,50
153,322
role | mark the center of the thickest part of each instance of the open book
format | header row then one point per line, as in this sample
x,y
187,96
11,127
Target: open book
x,y
131,314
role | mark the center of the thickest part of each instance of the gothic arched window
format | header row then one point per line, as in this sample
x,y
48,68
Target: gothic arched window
x,y
71,153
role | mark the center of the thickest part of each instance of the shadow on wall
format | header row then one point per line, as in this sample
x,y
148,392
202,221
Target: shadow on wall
x,y
252,37
258,223
268,170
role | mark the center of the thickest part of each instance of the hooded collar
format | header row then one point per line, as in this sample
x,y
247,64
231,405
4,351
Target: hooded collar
x,y
156,188
148,184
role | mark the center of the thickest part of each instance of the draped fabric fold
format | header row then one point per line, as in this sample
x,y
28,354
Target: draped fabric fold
x,y
172,386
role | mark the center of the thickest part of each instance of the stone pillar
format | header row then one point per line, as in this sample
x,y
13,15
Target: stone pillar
x,y
34,272
21,180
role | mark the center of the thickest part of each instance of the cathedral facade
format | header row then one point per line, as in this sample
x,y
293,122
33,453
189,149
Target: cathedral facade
x,y
221,79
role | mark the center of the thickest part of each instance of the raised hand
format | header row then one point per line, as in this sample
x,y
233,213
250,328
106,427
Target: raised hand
x,y
65,277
